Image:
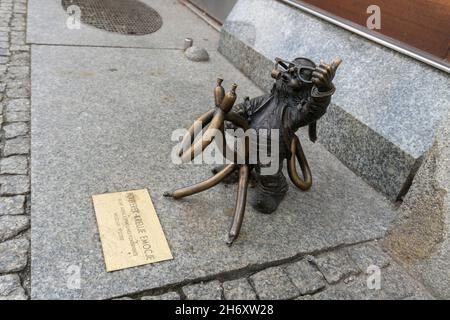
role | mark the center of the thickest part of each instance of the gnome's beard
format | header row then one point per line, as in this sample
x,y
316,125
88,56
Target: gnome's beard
x,y
283,91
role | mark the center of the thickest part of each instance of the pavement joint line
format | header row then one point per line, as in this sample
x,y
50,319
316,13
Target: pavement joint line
x,y
100,46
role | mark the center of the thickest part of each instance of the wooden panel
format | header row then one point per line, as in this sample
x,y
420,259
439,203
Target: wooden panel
x,y
423,24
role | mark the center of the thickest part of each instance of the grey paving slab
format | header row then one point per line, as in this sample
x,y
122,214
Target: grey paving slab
x,y
335,266
46,24
204,291
239,289
394,283
102,120
367,255
274,284
305,277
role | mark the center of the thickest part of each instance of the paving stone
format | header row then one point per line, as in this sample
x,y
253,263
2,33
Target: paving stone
x,y
13,116
18,72
305,277
18,105
12,205
4,52
420,296
14,255
14,165
355,290
17,91
14,185
368,254
239,289
46,25
17,37
15,129
26,280
19,145
395,284
19,48
335,266
166,296
11,226
204,291
274,284
19,58
10,288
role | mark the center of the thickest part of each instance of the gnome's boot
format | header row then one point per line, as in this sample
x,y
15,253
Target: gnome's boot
x,y
270,191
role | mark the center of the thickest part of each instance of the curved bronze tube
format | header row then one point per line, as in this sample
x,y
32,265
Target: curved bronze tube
x,y
204,119
215,124
239,208
200,145
297,152
202,186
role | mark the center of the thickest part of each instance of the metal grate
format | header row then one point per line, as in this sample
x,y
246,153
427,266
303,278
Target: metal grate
x,y
120,16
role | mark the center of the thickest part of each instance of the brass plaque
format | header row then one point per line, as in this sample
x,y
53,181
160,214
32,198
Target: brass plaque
x,y
130,231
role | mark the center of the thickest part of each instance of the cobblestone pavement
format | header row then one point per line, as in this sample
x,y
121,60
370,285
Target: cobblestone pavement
x,y
14,152
357,272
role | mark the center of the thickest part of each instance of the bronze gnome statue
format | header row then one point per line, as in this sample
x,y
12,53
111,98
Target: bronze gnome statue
x,y
299,97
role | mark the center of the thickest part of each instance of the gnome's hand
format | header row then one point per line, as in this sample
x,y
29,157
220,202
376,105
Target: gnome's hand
x,y
324,74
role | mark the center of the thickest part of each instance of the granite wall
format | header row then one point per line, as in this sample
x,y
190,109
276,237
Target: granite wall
x,y
420,234
387,106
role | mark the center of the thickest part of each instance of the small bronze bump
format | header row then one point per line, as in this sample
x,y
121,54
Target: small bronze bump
x,y
219,92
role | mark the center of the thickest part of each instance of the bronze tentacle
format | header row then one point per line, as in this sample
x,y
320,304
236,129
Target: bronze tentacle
x,y
198,147
297,153
204,119
202,186
239,208
215,124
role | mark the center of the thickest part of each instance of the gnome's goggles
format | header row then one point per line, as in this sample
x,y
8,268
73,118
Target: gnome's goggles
x,y
287,69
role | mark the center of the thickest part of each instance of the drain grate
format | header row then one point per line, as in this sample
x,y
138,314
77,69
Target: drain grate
x,y
120,16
